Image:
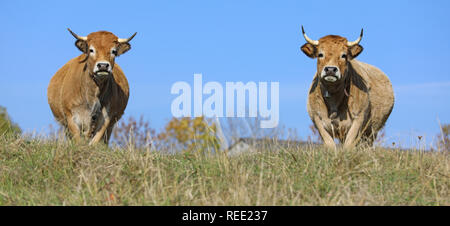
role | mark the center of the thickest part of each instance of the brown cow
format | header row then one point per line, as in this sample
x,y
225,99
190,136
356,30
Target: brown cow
x,y
348,99
88,95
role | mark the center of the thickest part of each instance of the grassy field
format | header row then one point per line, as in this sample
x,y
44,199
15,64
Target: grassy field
x,y
46,172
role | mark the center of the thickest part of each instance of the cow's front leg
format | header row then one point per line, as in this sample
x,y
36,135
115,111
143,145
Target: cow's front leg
x,y
326,137
353,134
73,128
101,132
109,132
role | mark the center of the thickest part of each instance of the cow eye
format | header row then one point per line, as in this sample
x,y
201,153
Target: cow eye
x,y
344,56
114,52
91,50
320,55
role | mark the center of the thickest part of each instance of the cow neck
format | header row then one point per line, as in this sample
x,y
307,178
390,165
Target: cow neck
x,y
335,95
104,87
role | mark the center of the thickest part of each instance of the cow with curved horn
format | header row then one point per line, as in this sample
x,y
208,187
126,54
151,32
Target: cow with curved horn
x,y
348,100
89,94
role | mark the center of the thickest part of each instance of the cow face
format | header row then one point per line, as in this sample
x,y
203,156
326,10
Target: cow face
x,y
101,49
333,54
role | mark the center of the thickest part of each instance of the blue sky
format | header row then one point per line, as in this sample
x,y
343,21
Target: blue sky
x,y
231,41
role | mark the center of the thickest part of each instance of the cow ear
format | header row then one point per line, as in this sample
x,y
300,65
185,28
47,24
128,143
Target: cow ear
x,y
355,50
123,48
82,45
309,50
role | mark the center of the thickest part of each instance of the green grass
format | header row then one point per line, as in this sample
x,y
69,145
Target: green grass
x,y
46,172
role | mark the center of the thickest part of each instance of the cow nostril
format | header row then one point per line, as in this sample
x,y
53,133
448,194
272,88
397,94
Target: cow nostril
x,y
103,66
331,69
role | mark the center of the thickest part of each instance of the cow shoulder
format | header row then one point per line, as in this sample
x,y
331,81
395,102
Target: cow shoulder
x,y
315,104
74,85
121,80
56,90
360,85
120,93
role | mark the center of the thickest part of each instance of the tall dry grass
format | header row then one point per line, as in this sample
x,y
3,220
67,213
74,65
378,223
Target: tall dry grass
x,y
36,171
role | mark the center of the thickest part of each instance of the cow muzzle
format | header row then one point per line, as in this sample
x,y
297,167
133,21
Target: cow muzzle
x,y
102,69
330,74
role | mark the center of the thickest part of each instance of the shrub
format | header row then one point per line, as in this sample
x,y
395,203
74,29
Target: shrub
x,y
443,142
7,126
132,132
190,135
186,134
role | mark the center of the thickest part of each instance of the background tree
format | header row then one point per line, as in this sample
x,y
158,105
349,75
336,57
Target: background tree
x,y
190,134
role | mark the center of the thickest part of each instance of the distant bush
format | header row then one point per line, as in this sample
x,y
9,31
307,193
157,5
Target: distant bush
x,y
187,134
236,128
7,127
315,135
133,132
443,142
190,134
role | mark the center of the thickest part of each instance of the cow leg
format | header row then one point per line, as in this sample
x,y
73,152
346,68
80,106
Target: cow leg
x,y
73,129
327,139
108,133
101,132
352,135
369,136
370,139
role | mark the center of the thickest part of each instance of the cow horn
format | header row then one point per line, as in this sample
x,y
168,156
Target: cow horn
x,y
357,40
76,36
310,41
123,40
